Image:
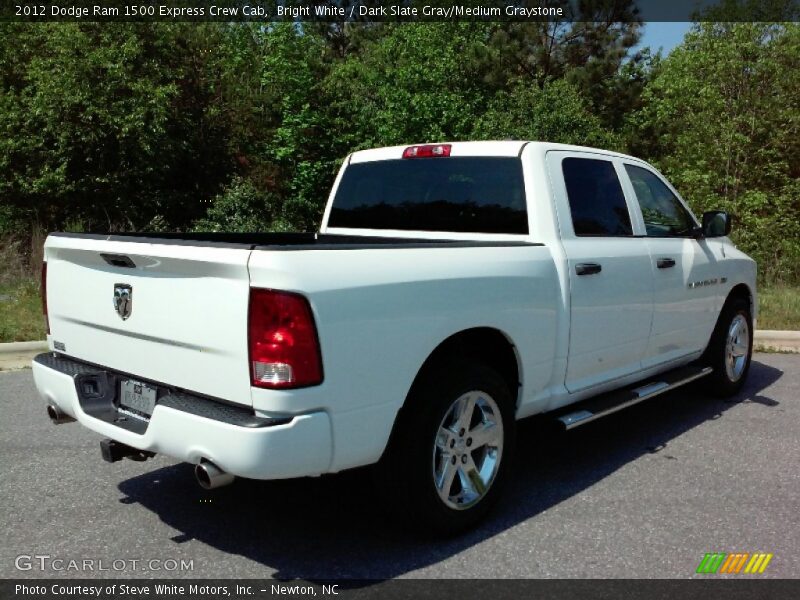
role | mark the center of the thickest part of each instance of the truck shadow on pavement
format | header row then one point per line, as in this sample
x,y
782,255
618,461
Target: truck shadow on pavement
x,y
333,527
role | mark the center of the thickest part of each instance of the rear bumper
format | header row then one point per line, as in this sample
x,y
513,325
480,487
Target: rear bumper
x,y
191,428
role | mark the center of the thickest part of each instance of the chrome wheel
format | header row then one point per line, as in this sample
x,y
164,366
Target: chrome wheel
x,y
737,346
468,449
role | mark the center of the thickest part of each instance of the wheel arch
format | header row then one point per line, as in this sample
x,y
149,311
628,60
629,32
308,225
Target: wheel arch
x,y
485,344
742,291
739,291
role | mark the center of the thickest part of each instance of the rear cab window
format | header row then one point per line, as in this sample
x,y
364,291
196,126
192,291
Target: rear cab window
x,y
454,194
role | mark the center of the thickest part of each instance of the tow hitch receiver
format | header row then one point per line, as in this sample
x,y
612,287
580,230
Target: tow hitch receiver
x,y
113,451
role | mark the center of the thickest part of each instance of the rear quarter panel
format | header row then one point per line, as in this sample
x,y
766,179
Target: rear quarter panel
x,y
381,312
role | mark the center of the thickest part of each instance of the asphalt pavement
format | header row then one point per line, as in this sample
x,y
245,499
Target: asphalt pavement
x,y
644,493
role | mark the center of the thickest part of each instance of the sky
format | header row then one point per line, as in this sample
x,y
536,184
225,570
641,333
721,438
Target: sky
x,y
665,35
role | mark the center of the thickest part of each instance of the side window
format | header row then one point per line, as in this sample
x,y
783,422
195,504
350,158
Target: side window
x,y
664,215
595,197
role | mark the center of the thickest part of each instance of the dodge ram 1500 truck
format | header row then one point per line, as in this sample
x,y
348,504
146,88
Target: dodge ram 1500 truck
x,y
452,290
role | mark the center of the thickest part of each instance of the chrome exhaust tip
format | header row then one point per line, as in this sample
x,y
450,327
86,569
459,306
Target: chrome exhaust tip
x,y
57,416
210,476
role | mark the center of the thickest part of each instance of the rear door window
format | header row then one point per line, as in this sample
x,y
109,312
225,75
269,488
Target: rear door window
x,y
596,201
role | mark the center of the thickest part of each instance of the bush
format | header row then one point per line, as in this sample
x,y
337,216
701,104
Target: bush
x,y
242,208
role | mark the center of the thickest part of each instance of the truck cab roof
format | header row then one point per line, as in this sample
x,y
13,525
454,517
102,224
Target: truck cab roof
x,y
481,148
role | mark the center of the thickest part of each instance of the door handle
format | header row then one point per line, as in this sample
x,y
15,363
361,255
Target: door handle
x,y
665,263
588,268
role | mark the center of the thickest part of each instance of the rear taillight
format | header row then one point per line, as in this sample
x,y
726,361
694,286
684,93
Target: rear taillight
x,y
283,343
427,151
44,296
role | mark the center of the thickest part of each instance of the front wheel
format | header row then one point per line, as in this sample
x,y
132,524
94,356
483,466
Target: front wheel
x,y
730,349
452,448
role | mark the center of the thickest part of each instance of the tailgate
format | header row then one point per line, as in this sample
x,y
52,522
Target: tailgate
x,y
187,323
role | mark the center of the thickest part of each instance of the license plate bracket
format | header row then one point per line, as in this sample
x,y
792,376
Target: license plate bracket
x,y
137,397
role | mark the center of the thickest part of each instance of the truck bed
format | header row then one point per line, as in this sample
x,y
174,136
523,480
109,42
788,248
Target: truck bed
x,y
288,241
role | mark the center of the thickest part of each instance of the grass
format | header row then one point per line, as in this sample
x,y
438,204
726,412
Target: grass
x,y
779,307
21,316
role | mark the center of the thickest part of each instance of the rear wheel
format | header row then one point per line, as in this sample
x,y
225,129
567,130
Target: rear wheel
x,y
451,451
731,348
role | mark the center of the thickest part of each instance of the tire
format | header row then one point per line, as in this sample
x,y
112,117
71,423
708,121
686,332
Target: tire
x,y
730,350
432,445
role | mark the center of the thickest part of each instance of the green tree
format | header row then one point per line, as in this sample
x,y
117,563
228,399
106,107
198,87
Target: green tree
x,y
592,48
556,112
416,83
722,119
299,142
112,125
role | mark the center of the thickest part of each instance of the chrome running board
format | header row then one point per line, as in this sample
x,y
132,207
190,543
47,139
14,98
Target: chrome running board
x,y
607,404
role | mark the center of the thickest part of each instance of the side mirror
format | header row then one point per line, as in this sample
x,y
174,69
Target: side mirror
x,y
716,223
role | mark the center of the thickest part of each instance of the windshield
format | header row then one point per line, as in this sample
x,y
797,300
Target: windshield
x,y
461,194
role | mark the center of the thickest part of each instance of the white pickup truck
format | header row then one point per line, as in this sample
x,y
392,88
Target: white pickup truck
x,y
452,289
